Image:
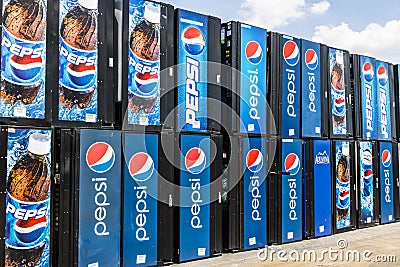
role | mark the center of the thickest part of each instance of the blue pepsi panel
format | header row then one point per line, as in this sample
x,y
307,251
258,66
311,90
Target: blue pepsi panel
x,y
78,61
253,84
291,115
144,66
311,89
254,193
27,240
192,71
366,182
342,157
322,188
292,194
369,98
99,198
194,236
23,61
383,96
338,92
386,182
140,199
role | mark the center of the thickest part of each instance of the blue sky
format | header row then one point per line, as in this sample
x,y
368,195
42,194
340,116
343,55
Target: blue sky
x,y
370,27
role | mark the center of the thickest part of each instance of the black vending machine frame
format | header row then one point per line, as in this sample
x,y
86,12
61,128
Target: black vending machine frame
x,y
396,91
167,73
393,102
396,181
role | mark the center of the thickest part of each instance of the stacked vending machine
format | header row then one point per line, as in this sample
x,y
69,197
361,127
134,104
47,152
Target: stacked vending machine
x,y
198,224
397,129
245,118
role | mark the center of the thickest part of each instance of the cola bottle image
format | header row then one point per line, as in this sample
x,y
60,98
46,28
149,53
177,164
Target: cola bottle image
x,y
342,188
145,61
28,204
78,54
23,50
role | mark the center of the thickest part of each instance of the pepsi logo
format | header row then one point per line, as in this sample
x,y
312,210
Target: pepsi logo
x,y
382,76
368,72
339,105
26,68
344,197
386,158
291,53
368,174
81,74
100,157
193,40
30,230
311,59
292,164
254,52
146,82
254,160
141,166
195,160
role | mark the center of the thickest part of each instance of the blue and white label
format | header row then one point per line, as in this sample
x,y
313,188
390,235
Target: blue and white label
x,y
366,181
291,115
384,101
368,98
311,89
343,191
140,202
192,71
254,193
386,182
253,84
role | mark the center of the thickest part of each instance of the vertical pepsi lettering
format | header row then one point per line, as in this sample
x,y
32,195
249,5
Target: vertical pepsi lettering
x,y
140,203
23,56
386,183
368,87
253,85
338,92
254,195
144,63
342,157
28,211
290,88
366,182
192,71
384,101
311,89
78,60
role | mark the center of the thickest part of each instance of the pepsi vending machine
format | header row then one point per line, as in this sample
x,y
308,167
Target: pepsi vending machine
x,y
198,71
339,103
244,53
80,75
148,52
367,183
89,217
365,98
26,224
317,195
314,93
386,183
396,90
285,84
148,192
286,193
396,190
344,189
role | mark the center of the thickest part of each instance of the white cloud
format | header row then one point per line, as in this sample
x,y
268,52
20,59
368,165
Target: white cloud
x,y
320,8
381,42
278,13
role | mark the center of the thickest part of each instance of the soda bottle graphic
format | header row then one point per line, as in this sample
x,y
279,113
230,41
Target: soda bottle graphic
x,y
23,50
78,55
342,188
28,204
145,61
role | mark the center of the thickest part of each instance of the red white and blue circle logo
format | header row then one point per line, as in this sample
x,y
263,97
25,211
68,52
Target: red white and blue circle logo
x,y
195,160
339,106
30,230
368,72
81,75
382,76
254,52
26,68
141,166
291,53
100,157
292,164
368,174
146,82
254,160
311,58
193,40
386,158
